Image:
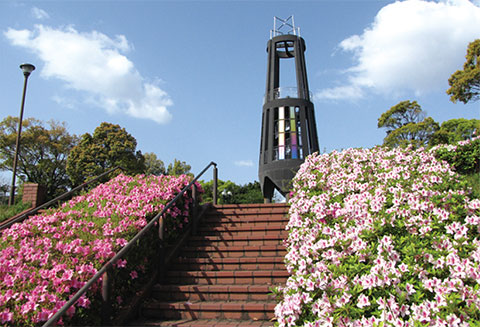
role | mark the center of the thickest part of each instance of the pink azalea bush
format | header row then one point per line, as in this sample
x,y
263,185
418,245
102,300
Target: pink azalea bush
x,y
47,258
381,237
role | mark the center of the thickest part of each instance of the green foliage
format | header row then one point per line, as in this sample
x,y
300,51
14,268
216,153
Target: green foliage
x,y
109,146
403,113
473,181
43,152
231,193
250,193
455,130
415,134
153,166
406,125
178,168
464,157
465,84
7,211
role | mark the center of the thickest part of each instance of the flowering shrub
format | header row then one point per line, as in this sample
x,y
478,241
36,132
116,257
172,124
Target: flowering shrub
x,y
47,258
381,237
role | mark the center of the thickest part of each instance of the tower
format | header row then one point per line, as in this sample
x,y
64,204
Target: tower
x,y
289,132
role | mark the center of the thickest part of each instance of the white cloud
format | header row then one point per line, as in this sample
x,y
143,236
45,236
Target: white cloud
x,y
64,102
412,46
39,13
244,163
340,92
95,64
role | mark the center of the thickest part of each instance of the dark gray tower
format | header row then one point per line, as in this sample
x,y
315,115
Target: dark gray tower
x,y
289,131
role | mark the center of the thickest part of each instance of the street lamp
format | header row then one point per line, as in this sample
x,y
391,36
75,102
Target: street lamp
x,y
26,69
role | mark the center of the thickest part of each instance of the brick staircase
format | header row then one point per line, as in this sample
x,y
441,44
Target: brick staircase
x,y
224,274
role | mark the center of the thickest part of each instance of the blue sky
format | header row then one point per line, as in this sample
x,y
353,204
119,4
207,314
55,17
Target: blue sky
x,y
187,78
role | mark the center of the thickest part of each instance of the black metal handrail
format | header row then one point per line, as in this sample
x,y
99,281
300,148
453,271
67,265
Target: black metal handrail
x,y
58,198
106,267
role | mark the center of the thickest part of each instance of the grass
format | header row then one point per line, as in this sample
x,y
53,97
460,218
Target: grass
x,y
7,211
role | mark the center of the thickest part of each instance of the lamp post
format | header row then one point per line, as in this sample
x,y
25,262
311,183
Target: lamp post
x,y
26,69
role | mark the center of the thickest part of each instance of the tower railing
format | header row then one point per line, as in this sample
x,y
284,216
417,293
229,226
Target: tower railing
x,y
287,92
284,26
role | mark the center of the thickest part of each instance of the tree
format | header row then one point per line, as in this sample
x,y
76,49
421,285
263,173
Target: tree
x,y
402,114
43,152
415,134
406,125
231,193
108,147
455,130
153,166
178,168
465,84
250,193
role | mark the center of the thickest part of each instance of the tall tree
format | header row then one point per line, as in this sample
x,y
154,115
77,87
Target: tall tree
x,y
406,125
401,114
153,166
108,147
465,84
43,152
178,168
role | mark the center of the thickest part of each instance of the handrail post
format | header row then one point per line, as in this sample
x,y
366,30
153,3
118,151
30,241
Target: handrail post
x,y
194,209
106,298
161,247
215,184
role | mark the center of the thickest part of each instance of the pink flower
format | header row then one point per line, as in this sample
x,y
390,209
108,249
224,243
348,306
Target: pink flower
x,y
6,316
363,301
133,274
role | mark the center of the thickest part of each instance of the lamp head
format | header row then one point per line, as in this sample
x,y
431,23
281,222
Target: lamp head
x,y
27,69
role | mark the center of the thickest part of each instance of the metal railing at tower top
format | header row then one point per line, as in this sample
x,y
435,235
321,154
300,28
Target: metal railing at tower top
x,y
284,26
106,268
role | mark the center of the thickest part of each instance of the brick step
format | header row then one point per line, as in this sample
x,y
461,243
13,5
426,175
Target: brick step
x,y
263,227
252,206
247,215
254,220
245,310
224,274
238,277
247,212
203,323
220,264
212,293
240,229
233,251
228,240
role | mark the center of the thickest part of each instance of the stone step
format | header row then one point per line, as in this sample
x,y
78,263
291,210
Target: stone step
x,y
221,264
213,293
238,277
243,310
